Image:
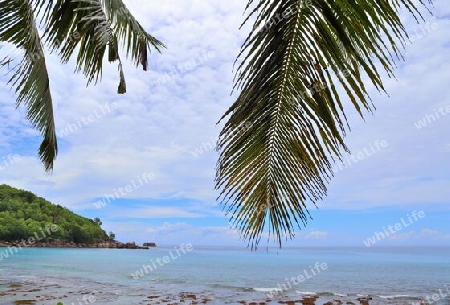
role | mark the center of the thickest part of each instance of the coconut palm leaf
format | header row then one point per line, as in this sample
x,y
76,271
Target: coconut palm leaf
x,y
287,126
128,30
31,81
94,26
90,28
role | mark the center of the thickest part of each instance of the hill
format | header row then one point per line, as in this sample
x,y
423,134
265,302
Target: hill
x,y
24,215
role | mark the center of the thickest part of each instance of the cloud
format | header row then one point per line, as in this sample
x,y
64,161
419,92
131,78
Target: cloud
x,y
158,212
315,234
183,232
402,236
168,227
434,234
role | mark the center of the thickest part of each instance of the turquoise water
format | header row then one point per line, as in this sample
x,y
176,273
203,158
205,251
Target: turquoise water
x,y
223,275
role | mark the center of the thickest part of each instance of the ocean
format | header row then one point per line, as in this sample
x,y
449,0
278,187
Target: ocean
x,y
188,274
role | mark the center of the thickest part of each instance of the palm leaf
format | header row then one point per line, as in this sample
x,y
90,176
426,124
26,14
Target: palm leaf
x,y
98,24
135,39
83,24
31,81
292,65
93,27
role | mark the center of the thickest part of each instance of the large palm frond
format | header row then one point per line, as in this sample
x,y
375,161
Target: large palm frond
x,y
127,29
31,81
287,125
92,28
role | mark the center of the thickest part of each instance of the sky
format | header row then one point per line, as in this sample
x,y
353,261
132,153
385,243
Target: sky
x,y
158,139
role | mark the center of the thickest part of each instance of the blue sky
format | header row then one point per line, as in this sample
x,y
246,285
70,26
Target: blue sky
x,y
165,126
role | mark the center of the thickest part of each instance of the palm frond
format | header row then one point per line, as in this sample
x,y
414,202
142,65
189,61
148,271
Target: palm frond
x,y
292,63
81,23
94,26
69,25
4,61
135,39
31,81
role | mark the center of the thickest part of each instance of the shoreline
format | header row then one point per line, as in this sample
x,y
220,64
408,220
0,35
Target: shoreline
x,y
69,245
49,292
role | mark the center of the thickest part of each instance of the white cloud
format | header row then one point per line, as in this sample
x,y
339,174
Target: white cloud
x,y
157,212
434,234
314,234
402,236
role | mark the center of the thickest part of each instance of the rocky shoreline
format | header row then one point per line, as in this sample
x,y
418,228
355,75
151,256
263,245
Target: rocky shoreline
x,y
48,292
65,244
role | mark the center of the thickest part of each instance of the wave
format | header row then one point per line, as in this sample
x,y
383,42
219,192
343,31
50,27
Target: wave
x,y
399,296
26,277
324,294
340,294
230,287
267,289
307,292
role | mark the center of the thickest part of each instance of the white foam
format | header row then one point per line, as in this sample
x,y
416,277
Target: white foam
x,y
306,292
390,297
339,294
267,289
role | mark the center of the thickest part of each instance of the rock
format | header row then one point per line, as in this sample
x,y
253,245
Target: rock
x,y
148,244
364,301
56,243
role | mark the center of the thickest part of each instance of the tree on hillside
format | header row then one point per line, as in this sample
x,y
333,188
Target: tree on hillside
x,y
97,221
288,124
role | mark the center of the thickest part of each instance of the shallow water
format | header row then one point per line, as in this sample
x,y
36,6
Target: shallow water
x,y
223,275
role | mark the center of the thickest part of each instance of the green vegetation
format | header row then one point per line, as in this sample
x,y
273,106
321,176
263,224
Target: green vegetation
x,y
111,236
22,214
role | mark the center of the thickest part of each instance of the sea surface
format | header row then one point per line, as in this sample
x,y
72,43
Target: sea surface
x,y
223,275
